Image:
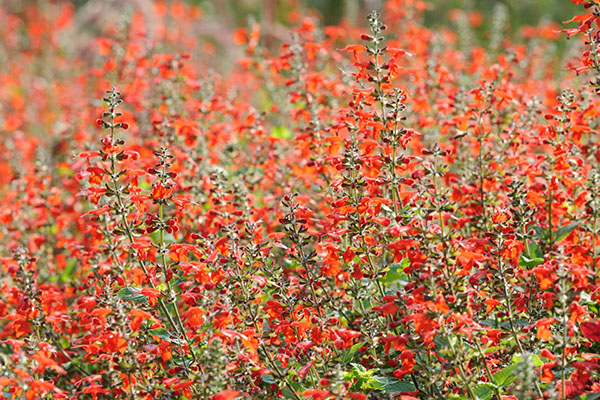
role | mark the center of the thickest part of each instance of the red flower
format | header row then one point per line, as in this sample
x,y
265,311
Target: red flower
x,y
591,330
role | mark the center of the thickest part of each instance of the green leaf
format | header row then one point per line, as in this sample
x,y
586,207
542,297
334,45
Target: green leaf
x,y
537,362
530,262
492,323
396,271
506,376
67,273
391,385
143,183
558,235
364,379
281,132
168,237
540,233
364,304
361,370
590,396
268,379
485,391
349,355
536,257
287,393
361,375
186,363
534,250
132,294
163,334
161,287
562,232
65,171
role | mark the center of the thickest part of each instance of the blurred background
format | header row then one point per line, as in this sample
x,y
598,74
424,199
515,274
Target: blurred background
x,y
475,21
521,12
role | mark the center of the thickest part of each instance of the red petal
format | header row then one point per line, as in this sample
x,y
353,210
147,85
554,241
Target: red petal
x,y
591,330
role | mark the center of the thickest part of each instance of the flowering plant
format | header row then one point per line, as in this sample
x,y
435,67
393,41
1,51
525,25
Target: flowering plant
x,y
356,213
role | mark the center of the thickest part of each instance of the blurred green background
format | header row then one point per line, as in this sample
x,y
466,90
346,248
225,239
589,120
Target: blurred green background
x,y
521,12
222,17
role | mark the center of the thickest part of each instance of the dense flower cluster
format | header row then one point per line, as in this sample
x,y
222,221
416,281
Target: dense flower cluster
x,y
360,213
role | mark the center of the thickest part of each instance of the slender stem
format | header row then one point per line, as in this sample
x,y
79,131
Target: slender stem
x,y
488,373
461,368
172,296
247,303
129,234
595,222
445,271
309,276
68,357
565,333
509,311
481,175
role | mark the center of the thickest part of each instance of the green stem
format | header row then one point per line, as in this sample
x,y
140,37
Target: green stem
x,y
129,234
488,373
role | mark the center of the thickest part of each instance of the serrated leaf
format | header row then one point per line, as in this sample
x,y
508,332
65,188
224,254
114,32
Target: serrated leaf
x,y
534,250
540,233
530,262
506,376
360,370
533,256
562,232
349,355
163,334
485,391
132,294
492,349
590,396
391,385
183,362
297,388
492,323
287,393
396,271
268,379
